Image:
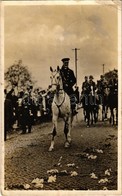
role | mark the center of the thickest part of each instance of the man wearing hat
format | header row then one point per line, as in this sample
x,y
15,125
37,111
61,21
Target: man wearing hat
x,y
26,113
85,86
113,84
69,80
92,85
102,85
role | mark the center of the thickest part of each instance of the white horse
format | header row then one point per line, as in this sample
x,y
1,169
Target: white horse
x,y
61,107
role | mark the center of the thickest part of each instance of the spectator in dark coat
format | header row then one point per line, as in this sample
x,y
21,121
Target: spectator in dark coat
x,y
8,113
14,100
19,108
26,114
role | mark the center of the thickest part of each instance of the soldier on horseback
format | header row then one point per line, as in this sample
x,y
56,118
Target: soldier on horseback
x,y
69,81
113,98
102,92
85,86
102,85
85,91
92,85
89,100
113,85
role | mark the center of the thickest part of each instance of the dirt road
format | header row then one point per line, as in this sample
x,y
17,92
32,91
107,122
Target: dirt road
x,y
89,164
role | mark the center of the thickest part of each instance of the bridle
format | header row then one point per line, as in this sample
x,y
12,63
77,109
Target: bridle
x,y
58,89
57,84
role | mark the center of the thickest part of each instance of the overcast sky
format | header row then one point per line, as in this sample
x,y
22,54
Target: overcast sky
x,y
42,35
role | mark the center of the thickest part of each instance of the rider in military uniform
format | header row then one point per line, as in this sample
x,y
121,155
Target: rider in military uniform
x,y
102,85
85,90
92,85
113,85
85,86
113,96
69,80
84,95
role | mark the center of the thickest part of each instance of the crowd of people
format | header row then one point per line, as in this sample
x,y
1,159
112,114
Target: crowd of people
x,y
29,106
25,109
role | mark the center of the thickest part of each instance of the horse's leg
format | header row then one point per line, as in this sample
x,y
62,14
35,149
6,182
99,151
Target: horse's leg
x,y
95,114
111,116
84,113
116,116
67,131
92,113
110,119
53,132
103,112
100,112
70,119
88,117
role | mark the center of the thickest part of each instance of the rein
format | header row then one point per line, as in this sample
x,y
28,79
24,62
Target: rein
x,y
58,106
59,90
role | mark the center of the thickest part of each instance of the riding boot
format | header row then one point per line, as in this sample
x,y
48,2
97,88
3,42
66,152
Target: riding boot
x,y
73,108
29,129
23,129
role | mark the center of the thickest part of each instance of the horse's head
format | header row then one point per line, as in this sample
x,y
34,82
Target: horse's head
x,y
56,80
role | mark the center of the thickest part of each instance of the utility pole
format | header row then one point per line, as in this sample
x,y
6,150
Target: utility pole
x,y
103,68
75,49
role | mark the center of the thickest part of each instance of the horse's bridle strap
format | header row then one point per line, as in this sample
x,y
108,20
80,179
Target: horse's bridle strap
x,y
61,103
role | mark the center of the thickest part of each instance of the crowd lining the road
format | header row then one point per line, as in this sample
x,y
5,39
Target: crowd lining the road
x,y
27,108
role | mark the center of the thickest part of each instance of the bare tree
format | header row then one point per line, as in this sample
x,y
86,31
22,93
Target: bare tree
x,y
109,75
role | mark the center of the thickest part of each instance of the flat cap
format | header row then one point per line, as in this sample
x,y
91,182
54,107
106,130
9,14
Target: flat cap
x,y
102,76
65,59
91,76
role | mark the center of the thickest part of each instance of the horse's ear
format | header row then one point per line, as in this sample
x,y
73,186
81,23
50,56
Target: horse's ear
x,y
58,69
51,69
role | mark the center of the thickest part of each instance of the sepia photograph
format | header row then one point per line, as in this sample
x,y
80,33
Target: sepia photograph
x,y
61,97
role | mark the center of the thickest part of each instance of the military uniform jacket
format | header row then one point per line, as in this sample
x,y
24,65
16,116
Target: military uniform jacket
x,y
102,86
113,86
68,79
92,86
86,89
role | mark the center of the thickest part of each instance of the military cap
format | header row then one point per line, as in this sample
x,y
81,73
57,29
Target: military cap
x,y
102,76
91,77
65,59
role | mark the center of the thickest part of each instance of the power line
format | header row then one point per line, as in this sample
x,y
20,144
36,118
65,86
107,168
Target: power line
x,y
103,68
76,59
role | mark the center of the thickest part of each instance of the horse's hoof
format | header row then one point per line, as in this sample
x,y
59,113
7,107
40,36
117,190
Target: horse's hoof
x,y
67,145
51,149
69,140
